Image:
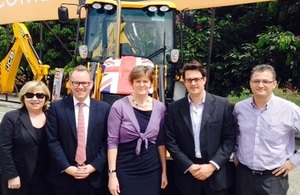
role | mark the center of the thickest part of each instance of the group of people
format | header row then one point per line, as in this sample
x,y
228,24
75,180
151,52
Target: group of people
x,y
81,146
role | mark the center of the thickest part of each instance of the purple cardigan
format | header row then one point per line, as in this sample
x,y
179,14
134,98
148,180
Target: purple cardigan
x,y
123,125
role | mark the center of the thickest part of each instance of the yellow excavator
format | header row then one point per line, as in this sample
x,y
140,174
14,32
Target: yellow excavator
x,y
9,66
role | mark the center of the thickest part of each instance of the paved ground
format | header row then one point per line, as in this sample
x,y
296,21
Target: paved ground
x,y
294,177
294,180
7,106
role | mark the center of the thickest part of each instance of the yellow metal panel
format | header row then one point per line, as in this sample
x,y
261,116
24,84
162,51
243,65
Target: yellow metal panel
x,y
37,10
33,10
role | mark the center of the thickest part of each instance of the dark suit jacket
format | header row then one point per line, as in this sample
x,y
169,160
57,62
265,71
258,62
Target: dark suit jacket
x,y
62,140
217,140
19,148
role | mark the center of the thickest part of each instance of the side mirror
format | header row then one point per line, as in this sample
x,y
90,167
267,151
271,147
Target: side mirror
x,y
83,51
63,14
174,55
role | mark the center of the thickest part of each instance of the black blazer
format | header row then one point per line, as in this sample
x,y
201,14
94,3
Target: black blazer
x,y
62,140
19,148
217,140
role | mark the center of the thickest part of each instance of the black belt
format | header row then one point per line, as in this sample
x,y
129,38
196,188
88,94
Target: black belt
x,y
259,173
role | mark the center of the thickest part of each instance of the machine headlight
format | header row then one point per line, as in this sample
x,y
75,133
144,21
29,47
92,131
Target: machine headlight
x,y
164,8
108,7
96,5
152,8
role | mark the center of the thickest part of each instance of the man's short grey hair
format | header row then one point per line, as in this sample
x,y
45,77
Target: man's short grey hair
x,y
263,68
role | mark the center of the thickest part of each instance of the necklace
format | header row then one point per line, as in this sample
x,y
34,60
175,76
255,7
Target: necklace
x,y
137,104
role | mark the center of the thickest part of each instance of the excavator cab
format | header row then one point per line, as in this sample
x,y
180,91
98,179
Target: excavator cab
x,y
142,33
123,30
147,32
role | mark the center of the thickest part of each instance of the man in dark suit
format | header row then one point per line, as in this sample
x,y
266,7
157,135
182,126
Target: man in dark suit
x,y
200,137
68,176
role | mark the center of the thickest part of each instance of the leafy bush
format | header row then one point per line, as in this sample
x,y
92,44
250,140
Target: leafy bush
x,y
284,93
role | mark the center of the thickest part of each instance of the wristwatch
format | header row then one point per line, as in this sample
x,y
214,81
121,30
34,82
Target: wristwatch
x,y
110,171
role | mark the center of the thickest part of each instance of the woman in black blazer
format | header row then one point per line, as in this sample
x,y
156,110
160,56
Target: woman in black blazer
x,y
23,148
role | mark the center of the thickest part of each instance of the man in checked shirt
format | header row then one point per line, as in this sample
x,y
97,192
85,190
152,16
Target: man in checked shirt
x,y
265,141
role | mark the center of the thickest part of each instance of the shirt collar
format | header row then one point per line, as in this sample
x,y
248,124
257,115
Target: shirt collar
x,y
86,102
267,104
203,100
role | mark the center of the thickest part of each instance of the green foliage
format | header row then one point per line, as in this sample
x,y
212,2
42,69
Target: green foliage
x,y
278,40
71,65
281,49
245,36
196,40
4,41
286,94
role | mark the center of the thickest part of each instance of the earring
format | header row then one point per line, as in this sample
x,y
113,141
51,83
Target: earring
x,y
150,90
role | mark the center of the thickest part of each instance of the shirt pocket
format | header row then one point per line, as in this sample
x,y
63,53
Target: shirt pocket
x,y
275,134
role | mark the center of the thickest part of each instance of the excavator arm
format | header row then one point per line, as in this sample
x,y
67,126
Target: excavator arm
x,y
22,45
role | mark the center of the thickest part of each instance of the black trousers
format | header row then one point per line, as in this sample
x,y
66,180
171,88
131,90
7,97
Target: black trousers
x,y
78,187
249,182
202,188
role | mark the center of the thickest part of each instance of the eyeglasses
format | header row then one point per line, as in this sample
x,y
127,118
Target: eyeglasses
x,y
264,82
190,80
37,95
76,84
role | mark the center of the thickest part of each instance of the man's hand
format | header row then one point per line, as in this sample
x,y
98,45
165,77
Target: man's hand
x,y
84,171
80,172
203,171
235,161
14,183
284,169
194,169
71,170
